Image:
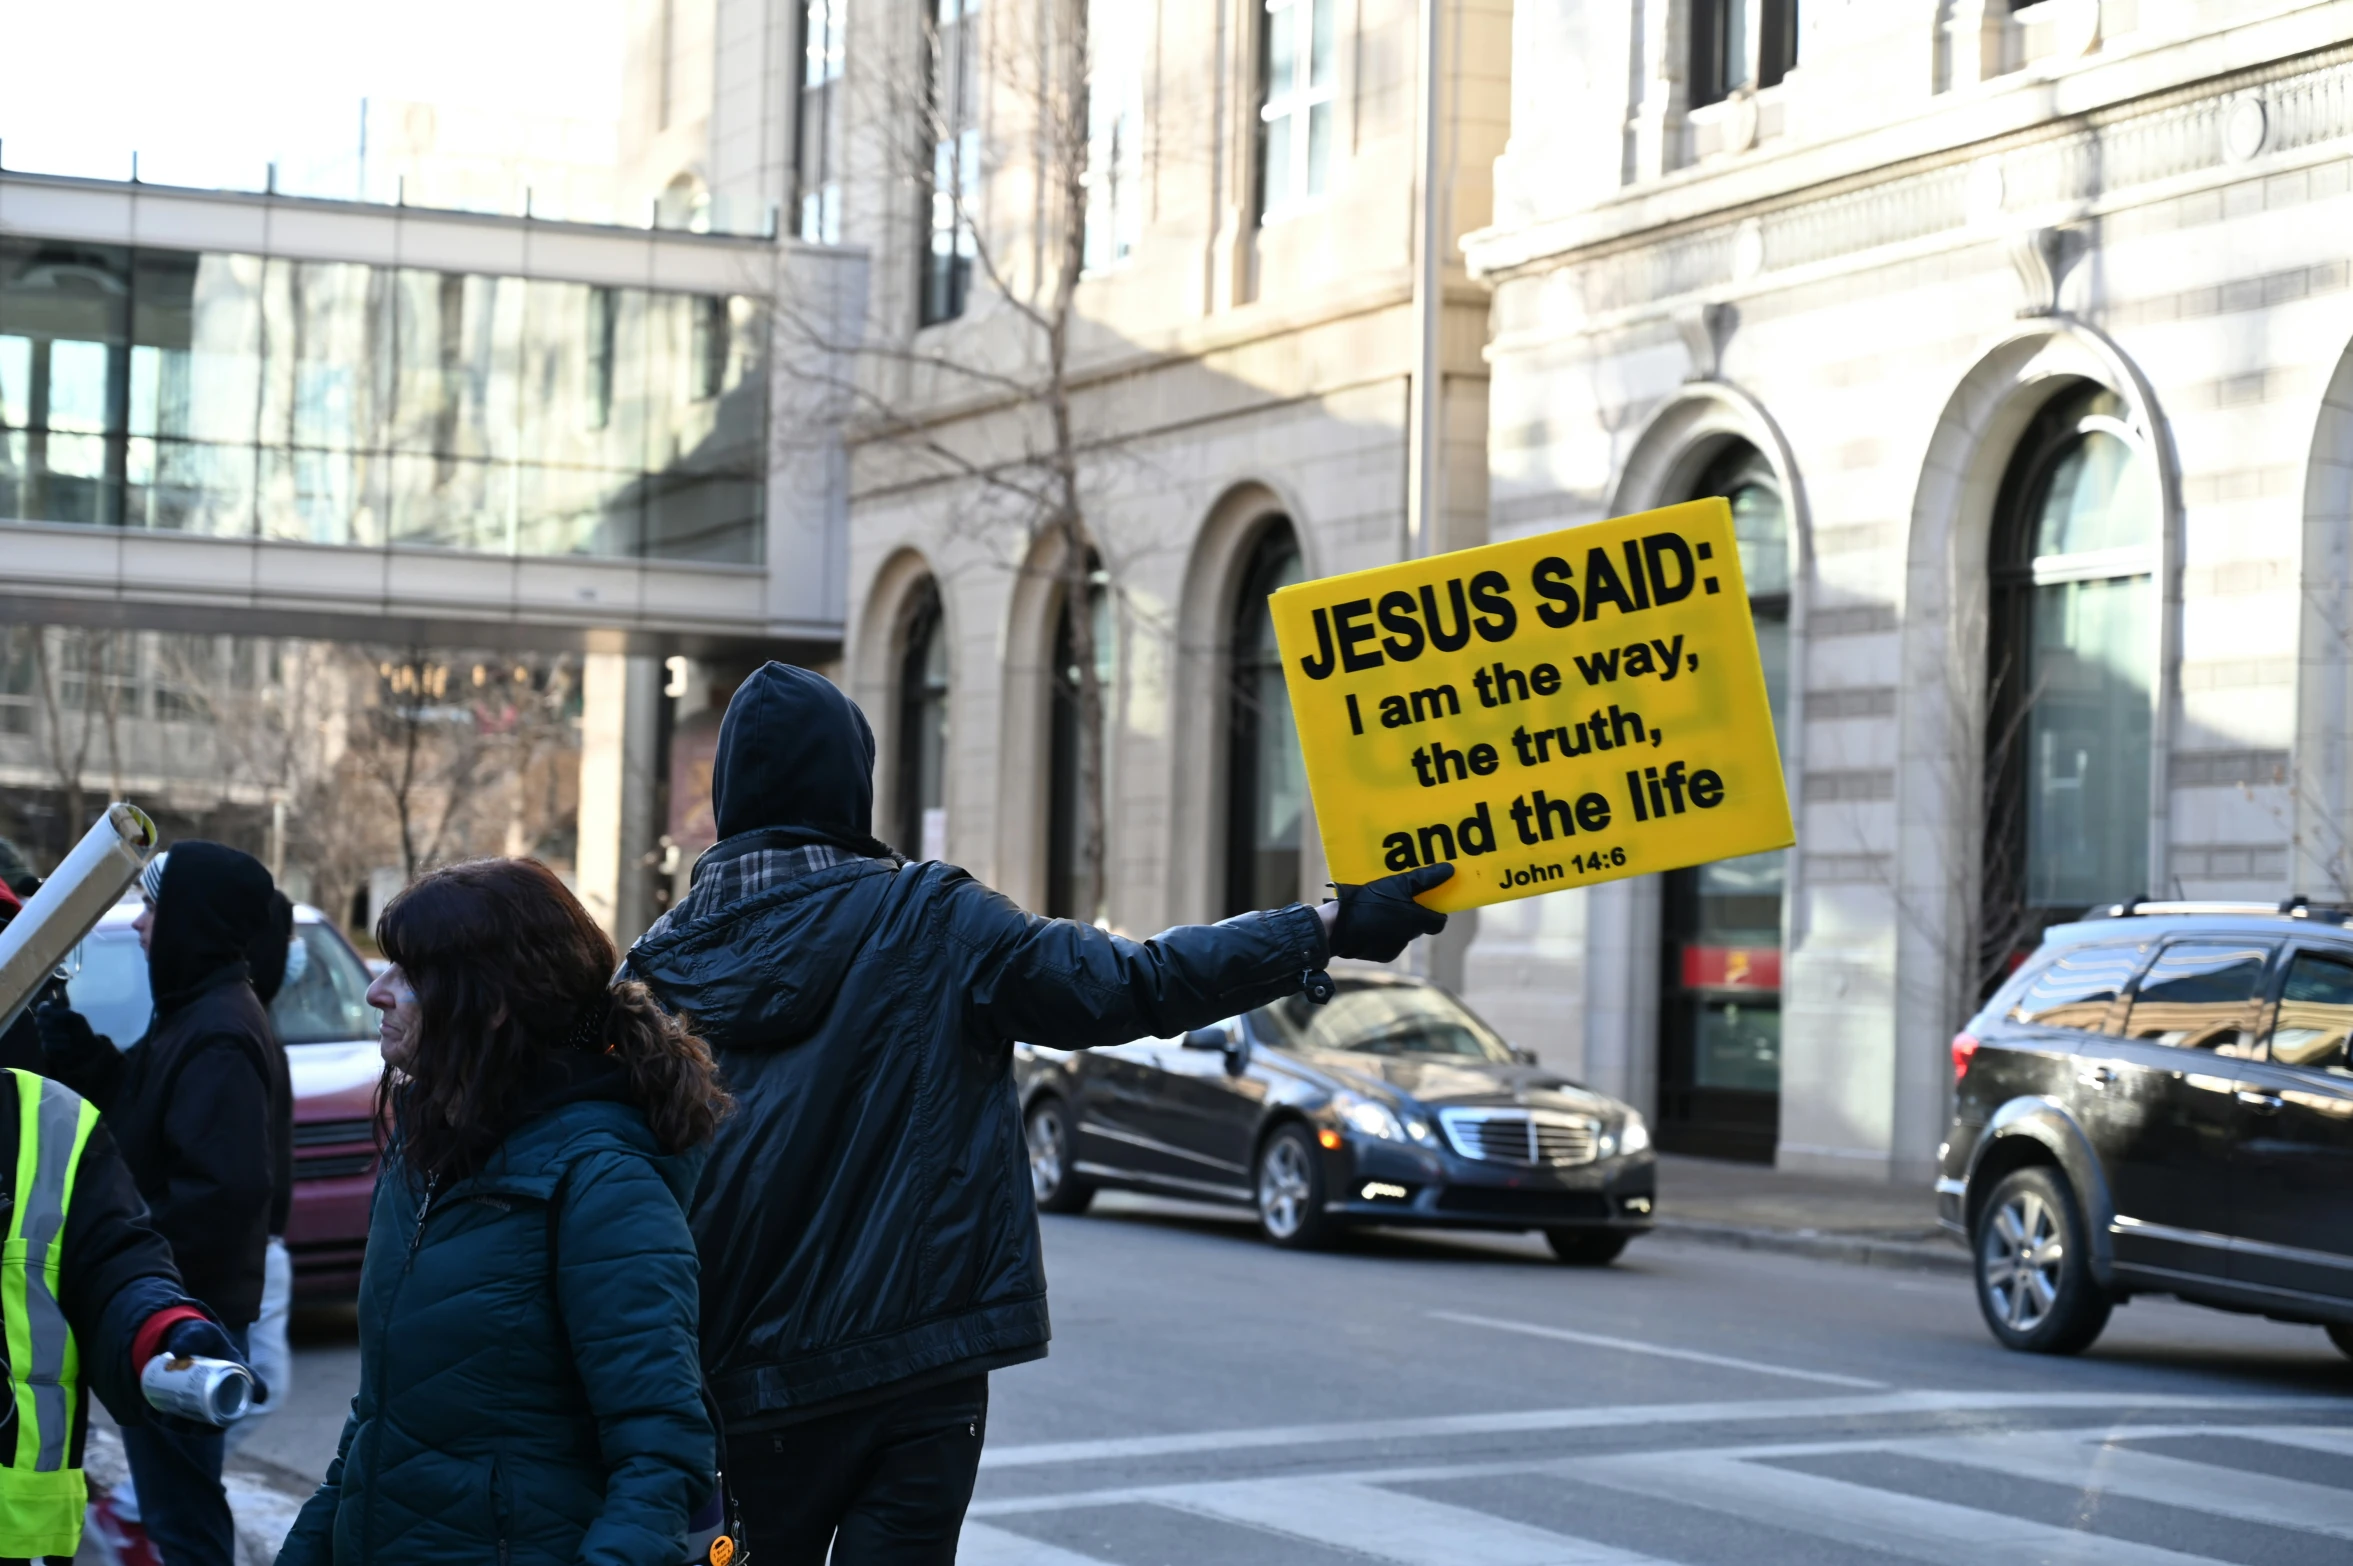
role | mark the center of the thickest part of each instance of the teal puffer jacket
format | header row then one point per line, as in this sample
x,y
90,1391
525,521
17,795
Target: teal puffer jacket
x,y
530,1393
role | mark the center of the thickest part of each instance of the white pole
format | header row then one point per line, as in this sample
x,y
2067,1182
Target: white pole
x,y
1427,411
70,903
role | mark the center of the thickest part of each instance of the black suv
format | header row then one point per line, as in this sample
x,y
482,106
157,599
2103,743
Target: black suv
x,y
2160,1101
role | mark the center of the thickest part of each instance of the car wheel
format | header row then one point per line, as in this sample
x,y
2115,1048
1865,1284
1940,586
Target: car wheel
x,y
1586,1247
2341,1334
1291,1191
2034,1279
1057,1189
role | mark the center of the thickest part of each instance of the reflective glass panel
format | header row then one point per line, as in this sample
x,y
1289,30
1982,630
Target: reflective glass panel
x,y
2100,495
2078,988
2200,995
2087,741
2315,1013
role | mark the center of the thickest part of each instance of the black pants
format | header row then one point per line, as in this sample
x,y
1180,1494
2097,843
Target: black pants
x,y
884,1484
181,1502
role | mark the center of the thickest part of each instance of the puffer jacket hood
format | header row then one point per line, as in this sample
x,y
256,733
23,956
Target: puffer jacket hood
x,y
211,905
795,756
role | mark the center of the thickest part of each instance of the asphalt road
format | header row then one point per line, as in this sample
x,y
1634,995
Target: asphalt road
x,y
1213,1400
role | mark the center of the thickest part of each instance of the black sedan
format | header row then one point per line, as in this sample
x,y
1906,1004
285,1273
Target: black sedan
x,y
1391,1105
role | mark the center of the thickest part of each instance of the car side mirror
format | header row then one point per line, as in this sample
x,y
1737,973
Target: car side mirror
x,y
1207,1038
1526,1057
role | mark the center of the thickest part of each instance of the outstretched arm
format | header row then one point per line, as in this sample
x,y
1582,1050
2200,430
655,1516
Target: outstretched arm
x,y
1068,985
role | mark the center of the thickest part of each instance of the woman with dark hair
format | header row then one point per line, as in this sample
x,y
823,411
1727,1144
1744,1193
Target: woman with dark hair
x,y
530,1391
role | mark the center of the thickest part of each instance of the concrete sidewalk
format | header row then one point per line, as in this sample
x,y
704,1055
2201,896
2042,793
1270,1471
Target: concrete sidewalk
x,y
1761,1208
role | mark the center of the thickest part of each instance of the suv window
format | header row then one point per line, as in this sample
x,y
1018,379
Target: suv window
x,y
2077,990
2201,995
2315,1013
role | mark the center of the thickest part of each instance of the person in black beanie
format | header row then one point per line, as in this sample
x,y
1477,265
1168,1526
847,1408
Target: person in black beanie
x,y
868,1239
190,1105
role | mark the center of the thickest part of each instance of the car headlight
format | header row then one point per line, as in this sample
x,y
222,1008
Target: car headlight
x,y
1368,1117
1633,1136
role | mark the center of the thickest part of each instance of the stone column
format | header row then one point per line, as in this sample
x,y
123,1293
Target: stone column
x,y
620,768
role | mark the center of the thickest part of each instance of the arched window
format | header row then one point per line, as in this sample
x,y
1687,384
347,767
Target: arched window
x,y
923,729
1067,811
2071,672
1266,781
1720,970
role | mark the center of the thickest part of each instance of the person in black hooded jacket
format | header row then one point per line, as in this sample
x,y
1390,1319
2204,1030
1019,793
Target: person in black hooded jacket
x,y
869,1244
190,1106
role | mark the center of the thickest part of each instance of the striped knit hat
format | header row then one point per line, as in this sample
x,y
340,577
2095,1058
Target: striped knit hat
x,y
151,878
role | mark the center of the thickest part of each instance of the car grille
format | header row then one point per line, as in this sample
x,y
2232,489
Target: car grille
x,y
1520,1136
1536,1206
333,1133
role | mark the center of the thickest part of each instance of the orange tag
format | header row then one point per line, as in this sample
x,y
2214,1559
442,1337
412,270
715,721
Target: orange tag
x,y
722,1550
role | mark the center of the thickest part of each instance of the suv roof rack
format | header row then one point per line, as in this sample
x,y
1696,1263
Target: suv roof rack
x,y
2292,908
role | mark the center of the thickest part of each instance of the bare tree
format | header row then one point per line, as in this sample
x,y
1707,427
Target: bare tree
x,y
991,406
79,675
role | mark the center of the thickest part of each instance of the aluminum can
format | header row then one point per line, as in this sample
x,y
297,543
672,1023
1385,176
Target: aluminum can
x,y
213,1392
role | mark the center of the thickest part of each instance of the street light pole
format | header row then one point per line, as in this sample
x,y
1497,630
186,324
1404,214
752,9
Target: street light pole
x,y
1426,410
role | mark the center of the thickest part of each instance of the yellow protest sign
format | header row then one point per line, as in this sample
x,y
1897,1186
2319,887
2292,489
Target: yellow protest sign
x,y
1546,713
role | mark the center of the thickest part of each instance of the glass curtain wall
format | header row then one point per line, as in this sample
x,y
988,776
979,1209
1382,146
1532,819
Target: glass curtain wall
x,y
952,119
923,729
2072,674
1266,781
338,403
1720,969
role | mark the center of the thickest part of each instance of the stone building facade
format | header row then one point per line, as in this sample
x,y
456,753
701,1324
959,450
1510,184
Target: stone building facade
x,y
2018,339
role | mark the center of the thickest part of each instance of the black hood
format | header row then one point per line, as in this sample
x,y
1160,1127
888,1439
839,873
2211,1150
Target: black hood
x,y
267,956
795,756
212,906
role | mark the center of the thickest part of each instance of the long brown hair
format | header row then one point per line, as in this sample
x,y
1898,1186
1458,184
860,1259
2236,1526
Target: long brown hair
x,y
509,970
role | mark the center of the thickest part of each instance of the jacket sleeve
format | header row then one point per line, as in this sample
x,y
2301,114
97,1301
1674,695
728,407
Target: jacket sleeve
x,y
218,1125
1068,985
626,1282
311,1541
116,1272
95,1071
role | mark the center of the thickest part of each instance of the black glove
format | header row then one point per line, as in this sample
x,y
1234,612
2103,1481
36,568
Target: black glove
x,y
1378,919
198,1339
65,1033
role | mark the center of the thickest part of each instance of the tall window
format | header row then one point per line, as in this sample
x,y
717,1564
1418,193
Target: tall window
x,y
1298,79
1720,1001
923,730
824,53
1067,809
1266,781
2072,671
953,116
1737,44
1115,122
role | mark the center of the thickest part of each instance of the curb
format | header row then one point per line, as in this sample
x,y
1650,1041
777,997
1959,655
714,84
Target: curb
x,y
1854,1249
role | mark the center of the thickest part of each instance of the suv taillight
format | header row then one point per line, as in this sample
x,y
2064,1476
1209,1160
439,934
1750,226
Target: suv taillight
x,y
1964,1051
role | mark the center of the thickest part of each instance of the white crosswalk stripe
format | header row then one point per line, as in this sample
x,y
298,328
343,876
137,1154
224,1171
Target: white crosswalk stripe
x,y
2148,1476
1362,1512
1390,1525
1908,1526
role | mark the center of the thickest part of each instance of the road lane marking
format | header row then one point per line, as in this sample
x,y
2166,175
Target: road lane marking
x,y
2086,1463
982,1545
1656,1350
1391,1526
1888,1521
1619,1417
2338,1443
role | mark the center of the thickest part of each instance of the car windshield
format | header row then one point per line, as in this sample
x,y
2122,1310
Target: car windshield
x,y
1384,1019
323,1001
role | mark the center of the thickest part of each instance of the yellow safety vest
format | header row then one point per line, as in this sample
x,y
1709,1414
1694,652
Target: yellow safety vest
x,y
42,1495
